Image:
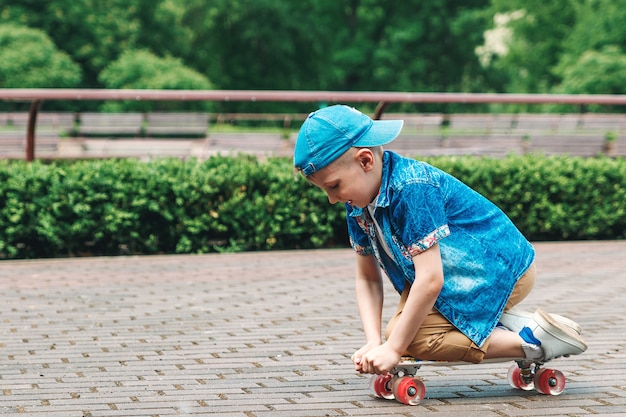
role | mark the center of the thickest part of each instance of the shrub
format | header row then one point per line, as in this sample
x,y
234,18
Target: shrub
x,y
551,198
141,69
116,207
25,51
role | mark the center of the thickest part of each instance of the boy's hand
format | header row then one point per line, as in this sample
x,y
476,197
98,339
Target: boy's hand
x,y
357,356
376,360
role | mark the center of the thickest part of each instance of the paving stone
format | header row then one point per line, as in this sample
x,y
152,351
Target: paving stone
x,y
270,334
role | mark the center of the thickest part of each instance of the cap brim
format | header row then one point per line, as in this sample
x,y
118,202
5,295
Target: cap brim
x,y
381,133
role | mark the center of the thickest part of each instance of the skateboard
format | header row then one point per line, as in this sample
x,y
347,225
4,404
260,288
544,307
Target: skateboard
x,y
403,384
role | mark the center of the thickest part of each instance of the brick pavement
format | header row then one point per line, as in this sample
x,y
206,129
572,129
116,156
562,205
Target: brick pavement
x,y
269,334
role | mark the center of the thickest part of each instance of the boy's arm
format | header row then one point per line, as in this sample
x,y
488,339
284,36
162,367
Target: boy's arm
x,y
369,298
422,295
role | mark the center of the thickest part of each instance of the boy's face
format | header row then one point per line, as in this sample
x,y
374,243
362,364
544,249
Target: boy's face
x,y
352,180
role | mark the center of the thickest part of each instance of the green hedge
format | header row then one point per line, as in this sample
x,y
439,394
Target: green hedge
x,y
113,207
551,198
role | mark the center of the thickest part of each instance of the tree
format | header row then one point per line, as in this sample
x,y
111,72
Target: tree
x,y
29,59
338,45
537,32
594,54
142,69
407,46
599,23
255,44
94,32
272,44
596,72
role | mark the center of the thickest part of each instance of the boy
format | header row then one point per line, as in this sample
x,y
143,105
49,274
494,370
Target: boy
x,y
457,260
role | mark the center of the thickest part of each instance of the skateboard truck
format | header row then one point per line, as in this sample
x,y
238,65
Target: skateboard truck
x,y
404,386
529,375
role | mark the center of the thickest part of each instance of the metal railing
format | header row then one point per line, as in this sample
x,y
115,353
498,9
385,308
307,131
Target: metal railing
x,y
36,96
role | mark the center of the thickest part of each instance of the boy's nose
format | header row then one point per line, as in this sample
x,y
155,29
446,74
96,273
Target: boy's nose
x,y
331,199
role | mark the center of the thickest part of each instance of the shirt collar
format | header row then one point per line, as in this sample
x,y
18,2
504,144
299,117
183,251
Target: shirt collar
x,y
383,196
382,200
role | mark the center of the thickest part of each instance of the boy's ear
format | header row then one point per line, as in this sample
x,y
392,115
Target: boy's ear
x,y
365,158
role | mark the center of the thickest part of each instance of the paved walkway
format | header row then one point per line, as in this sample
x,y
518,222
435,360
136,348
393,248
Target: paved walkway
x,y
269,334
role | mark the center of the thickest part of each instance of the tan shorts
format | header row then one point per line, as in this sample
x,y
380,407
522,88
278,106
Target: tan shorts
x,y
438,339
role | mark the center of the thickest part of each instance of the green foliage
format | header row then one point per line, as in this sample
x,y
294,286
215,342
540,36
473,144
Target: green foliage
x,y
365,45
29,59
563,46
93,32
535,41
598,23
113,207
259,44
142,69
269,44
593,58
414,45
596,72
551,198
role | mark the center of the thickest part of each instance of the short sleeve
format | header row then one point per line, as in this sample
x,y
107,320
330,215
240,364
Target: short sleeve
x,y
420,216
359,240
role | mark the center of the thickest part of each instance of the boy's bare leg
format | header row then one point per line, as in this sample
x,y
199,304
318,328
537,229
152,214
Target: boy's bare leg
x,y
544,339
504,344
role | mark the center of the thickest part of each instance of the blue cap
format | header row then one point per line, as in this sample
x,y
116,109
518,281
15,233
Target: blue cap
x,y
328,133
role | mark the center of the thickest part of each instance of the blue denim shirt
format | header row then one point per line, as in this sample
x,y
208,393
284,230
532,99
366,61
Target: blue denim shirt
x,y
482,251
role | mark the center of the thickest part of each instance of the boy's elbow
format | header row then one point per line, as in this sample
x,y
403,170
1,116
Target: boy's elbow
x,y
436,284
429,284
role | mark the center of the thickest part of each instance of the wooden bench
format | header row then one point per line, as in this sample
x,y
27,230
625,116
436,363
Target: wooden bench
x,y
175,125
417,122
603,123
258,143
61,123
527,123
285,118
581,144
110,124
568,123
48,130
495,145
124,134
137,148
412,143
476,123
502,123
13,144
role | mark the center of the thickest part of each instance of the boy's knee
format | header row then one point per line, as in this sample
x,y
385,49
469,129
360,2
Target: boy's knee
x,y
390,326
387,332
473,355
452,346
